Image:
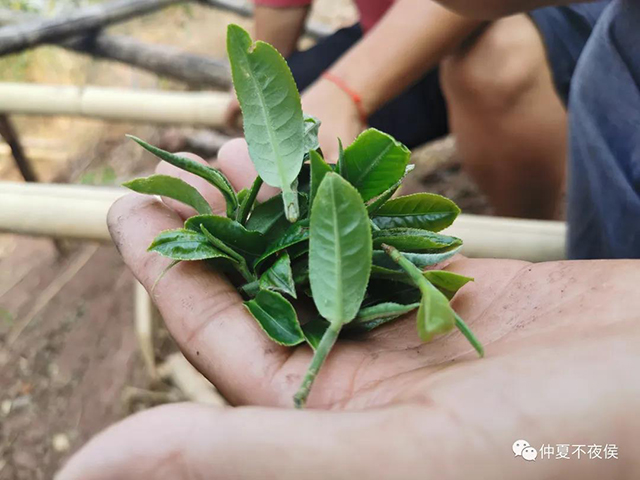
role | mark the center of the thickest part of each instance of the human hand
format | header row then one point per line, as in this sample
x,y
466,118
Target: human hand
x,y
561,367
338,114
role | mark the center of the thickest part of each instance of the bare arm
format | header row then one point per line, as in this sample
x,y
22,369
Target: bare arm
x,y
410,40
490,9
281,26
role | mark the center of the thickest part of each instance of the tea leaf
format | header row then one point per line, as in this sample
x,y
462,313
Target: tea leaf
x,y
171,187
211,175
415,240
447,282
311,129
279,277
420,260
339,250
427,211
266,215
314,330
374,162
435,315
230,232
296,233
319,168
277,318
375,205
246,203
239,262
184,245
383,310
272,113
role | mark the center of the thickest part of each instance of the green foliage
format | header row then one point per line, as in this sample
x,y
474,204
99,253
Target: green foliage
x,y
272,114
356,251
171,187
277,317
339,250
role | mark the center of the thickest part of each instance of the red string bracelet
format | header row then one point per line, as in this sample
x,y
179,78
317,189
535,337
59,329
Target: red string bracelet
x,y
357,100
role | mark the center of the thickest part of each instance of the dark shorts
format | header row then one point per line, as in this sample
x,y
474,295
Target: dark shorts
x,y
603,210
419,114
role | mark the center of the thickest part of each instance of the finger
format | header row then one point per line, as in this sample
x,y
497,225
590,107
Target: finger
x,y
202,310
234,161
208,191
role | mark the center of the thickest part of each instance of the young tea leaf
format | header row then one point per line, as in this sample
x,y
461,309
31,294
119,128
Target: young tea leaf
x,y
426,211
272,113
211,175
314,330
277,318
383,310
311,129
171,187
374,162
230,232
339,250
435,315
415,240
184,244
377,203
420,260
279,277
319,168
296,233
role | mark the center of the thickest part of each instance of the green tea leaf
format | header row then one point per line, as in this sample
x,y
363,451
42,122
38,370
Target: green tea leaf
x,y
420,260
415,240
311,129
383,310
374,162
279,277
296,233
230,232
272,113
375,205
314,330
266,215
447,282
319,168
171,187
435,315
339,250
211,175
247,201
426,211
184,244
277,318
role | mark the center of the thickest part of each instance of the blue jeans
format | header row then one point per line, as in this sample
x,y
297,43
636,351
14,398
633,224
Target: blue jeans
x,y
604,122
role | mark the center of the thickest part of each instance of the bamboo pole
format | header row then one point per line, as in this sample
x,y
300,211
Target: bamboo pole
x,y
148,106
14,38
79,212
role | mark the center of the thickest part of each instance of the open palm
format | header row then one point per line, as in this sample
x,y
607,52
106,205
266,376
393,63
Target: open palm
x,y
561,341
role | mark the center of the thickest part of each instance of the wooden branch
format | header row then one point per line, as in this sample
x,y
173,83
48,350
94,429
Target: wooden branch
x,y
14,38
11,137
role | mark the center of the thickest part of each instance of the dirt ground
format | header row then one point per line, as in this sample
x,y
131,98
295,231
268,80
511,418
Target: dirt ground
x,y
69,360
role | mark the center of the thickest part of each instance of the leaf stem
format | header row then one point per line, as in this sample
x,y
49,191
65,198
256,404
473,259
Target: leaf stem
x,y
238,261
466,331
291,209
251,288
324,347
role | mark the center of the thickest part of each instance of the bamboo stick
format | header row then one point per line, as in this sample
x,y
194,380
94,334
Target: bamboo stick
x,y
74,211
14,38
149,106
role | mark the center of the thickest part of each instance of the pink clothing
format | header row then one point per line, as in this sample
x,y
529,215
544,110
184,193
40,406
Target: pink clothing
x,y
371,11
